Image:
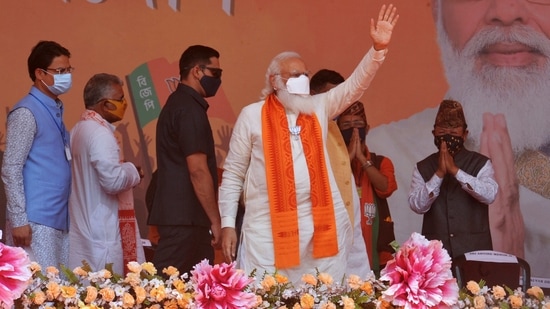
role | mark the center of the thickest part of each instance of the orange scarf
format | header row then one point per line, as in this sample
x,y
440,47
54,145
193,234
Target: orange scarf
x,y
281,185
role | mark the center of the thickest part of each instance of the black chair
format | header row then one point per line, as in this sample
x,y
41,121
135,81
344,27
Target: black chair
x,y
495,268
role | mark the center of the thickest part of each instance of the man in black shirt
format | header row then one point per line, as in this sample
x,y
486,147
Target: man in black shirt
x,y
185,206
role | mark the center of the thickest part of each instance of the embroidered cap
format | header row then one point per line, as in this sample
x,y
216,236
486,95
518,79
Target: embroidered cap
x,y
450,115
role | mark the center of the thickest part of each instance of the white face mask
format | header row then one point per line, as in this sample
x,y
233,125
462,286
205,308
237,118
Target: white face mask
x,y
298,85
61,83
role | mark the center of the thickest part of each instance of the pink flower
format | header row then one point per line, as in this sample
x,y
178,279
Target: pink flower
x,y
221,286
14,274
420,275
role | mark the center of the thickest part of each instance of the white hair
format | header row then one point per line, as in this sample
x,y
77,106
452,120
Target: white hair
x,y
520,93
275,68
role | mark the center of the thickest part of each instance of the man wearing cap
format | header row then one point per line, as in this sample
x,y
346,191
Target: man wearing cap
x,y
375,180
453,187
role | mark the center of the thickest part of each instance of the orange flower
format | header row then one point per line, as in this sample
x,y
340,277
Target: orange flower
x,y
91,294
515,301
281,279
473,287
141,294
158,293
128,300
536,292
52,290
367,288
498,292
309,279
348,302
107,294
268,282
68,291
39,298
171,271
325,278
479,302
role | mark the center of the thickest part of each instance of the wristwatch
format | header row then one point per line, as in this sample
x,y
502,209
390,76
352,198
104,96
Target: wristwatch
x,y
368,164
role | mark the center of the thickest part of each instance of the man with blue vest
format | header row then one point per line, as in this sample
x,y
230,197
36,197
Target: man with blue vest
x,y
36,167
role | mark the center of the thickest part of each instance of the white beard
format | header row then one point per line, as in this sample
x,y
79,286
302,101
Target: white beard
x,y
522,94
296,103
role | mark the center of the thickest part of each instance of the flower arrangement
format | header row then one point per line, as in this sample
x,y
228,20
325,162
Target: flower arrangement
x,y
14,273
418,277
479,296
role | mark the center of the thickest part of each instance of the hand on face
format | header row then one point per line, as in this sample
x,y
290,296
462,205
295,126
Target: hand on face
x,y
381,32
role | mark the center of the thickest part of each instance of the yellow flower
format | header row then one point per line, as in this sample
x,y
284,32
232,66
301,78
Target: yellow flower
x,y
68,291
499,292
268,282
479,302
107,294
141,294
354,282
39,298
179,285
184,302
91,294
515,301
52,290
473,287
309,279
158,293
384,304
307,301
536,292
171,271
296,306
134,267
325,278
128,300
367,288
281,279
149,268
348,302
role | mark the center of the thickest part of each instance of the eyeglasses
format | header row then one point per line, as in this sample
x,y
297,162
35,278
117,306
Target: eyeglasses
x,y
61,70
216,72
352,124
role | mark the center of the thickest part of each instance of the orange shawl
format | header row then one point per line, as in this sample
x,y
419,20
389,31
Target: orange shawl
x,y
281,185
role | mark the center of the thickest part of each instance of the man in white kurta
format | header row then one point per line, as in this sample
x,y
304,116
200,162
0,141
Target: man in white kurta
x,y
99,179
245,170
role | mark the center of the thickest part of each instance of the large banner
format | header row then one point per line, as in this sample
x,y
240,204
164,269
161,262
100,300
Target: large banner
x,y
492,58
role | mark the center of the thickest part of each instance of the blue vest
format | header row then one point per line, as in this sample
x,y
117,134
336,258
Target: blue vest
x,y
47,172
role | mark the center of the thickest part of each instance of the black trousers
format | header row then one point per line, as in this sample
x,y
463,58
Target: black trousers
x,y
182,246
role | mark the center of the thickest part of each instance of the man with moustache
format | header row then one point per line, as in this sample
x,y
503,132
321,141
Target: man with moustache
x,y
496,58
295,221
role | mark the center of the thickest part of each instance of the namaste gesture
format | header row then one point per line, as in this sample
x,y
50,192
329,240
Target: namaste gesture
x,y
381,32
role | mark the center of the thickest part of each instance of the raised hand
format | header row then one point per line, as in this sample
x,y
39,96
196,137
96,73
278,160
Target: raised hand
x,y
381,31
505,218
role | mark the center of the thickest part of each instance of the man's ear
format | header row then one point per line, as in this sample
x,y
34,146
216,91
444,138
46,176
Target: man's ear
x,y
435,9
272,82
465,135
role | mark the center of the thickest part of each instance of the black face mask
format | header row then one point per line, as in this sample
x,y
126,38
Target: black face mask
x,y
454,143
346,134
210,85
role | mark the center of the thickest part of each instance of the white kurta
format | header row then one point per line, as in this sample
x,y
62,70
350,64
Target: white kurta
x,y
244,171
98,176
